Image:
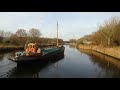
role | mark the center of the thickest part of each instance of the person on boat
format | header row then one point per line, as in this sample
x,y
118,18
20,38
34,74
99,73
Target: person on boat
x,y
32,49
39,50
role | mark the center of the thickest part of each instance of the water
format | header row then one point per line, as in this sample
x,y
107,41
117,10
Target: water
x,y
76,63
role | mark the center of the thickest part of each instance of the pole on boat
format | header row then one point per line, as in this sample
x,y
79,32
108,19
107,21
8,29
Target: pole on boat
x,y
57,33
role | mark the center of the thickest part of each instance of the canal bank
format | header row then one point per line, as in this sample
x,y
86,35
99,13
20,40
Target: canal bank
x,y
7,48
113,52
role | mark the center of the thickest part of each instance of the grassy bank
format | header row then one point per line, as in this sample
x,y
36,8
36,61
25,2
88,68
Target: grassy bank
x,y
10,47
7,48
113,52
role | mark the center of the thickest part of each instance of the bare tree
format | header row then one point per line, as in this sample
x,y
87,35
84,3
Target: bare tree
x,y
107,34
72,40
1,36
7,34
109,29
96,38
21,33
1,33
34,34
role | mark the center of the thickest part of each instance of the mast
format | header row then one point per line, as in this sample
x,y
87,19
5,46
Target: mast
x,y
57,33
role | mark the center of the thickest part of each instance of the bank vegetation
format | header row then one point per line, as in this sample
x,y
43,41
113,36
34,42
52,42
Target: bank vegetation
x,y
10,40
105,40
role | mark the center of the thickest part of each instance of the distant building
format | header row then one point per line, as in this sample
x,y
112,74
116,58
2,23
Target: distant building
x,y
87,42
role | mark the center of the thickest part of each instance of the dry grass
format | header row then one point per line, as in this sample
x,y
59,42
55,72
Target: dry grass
x,y
114,51
10,47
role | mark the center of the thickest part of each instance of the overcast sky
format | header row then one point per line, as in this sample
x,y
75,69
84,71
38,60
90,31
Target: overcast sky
x,y
71,24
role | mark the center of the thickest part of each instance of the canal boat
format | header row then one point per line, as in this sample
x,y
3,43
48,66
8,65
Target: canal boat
x,y
32,53
45,54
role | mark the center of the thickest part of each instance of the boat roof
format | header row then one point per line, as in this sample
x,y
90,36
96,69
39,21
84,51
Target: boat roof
x,y
31,43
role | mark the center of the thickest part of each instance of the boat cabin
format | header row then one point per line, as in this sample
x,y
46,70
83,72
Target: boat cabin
x,y
32,47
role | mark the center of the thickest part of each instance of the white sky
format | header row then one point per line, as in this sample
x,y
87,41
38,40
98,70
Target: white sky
x,y
71,24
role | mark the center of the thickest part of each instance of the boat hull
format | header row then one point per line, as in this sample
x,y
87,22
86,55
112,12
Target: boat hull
x,y
44,58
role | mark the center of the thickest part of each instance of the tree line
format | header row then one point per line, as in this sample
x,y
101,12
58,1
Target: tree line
x,y
107,34
21,36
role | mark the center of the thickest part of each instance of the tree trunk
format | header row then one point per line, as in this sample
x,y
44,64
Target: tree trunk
x,y
108,42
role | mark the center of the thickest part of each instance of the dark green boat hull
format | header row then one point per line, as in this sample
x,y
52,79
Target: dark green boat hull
x,y
46,57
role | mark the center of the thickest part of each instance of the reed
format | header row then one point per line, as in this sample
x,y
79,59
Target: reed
x,y
113,51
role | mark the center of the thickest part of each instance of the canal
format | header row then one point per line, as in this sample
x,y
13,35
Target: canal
x,y
76,63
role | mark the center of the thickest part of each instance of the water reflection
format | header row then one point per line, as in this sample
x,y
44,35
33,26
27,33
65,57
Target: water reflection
x,y
1,57
110,67
31,70
71,46
76,63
